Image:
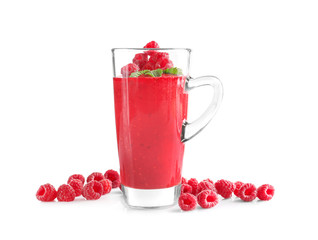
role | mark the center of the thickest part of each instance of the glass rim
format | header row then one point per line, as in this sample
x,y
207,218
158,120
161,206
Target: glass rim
x,y
145,49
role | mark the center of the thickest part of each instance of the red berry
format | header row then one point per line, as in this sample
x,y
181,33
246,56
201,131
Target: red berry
x,y
265,192
140,59
128,69
151,44
107,186
157,56
187,202
248,192
186,188
114,177
194,184
77,185
46,193
238,185
209,180
97,176
92,190
65,193
205,185
76,176
148,66
163,63
183,180
207,199
225,188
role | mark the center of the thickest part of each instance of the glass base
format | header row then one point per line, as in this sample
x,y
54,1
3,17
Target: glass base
x,y
151,198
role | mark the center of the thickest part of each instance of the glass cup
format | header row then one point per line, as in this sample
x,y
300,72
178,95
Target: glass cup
x,y
151,126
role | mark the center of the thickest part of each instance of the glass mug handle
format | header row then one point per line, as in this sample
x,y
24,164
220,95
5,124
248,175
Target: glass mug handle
x,y
191,129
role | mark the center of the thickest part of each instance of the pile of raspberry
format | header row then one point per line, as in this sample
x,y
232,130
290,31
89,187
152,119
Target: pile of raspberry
x,y
97,184
206,192
148,60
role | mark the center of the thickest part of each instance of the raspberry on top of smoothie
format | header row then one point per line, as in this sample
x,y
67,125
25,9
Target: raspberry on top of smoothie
x,y
151,63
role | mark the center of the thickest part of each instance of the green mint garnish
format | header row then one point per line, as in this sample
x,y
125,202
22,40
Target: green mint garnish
x,y
157,73
137,74
153,73
174,71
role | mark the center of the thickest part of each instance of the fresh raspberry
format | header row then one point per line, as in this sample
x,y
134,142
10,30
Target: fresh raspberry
x,y
46,193
97,176
65,193
207,199
107,186
194,184
163,63
92,190
128,69
148,66
265,192
205,185
187,202
183,180
209,180
238,185
114,177
157,56
186,188
225,188
76,176
140,59
151,44
77,185
247,192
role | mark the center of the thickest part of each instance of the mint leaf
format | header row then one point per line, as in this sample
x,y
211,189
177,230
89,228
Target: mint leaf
x,y
149,74
154,73
137,74
157,73
173,71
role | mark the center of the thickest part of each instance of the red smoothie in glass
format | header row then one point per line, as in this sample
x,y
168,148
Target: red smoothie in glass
x,y
149,115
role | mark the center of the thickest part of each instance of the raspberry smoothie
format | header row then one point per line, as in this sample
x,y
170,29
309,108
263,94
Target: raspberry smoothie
x,y
149,117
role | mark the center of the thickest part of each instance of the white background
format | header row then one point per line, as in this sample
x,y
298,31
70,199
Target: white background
x,y
57,114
